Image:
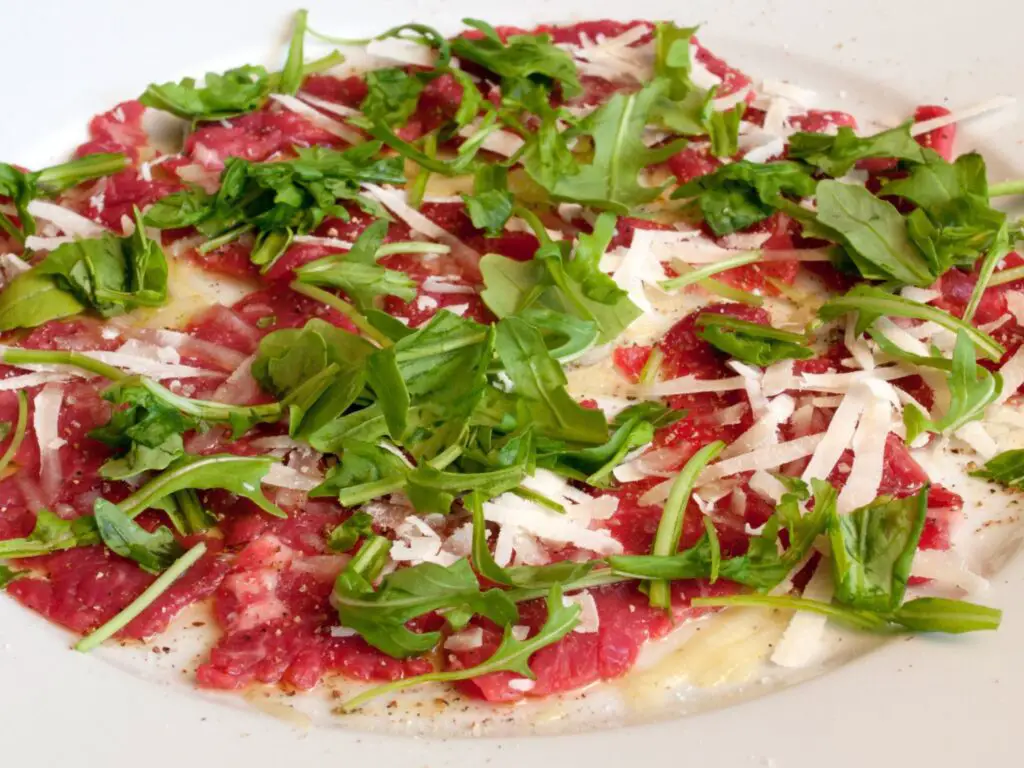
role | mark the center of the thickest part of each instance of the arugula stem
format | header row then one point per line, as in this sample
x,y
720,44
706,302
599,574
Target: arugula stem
x,y
601,578
649,373
143,601
1000,247
1006,188
702,273
210,410
418,188
292,73
856,619
57,178
19,432
223,239
538,498
718,288
338,303
670,529
60,357
369,561
359,494
446,457
440,348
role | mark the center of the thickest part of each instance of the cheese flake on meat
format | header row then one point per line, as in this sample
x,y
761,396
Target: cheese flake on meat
x,y
46,424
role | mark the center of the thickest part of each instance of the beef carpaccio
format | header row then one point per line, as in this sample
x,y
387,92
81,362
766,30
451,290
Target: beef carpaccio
x,y
541,344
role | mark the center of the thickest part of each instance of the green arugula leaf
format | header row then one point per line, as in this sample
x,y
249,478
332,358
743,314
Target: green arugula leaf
x,y
364,472
490,205
511,656
936,182
610,181
357,272
926,614
870,303
392,95
873,234
290,360
52,534
235,92
532,57
380,616
670,528
146,432
837,154
187,513
873,548
753,343
971,388
154,552
723,129
345,536
240,475
739,195
22,187
279,199
1006,468
539,381
292,74
672,57
8,575
111,275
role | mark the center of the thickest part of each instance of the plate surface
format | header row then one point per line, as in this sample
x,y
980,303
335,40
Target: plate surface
x,y
926,701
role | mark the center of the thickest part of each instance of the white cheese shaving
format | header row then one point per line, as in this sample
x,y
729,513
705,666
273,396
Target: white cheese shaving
x,y
999,322
1015,303
637,269
689,385
801,643
395,201
329,106
69,222
767,486
466,640
948,570
438,284
589,619
861,486
838,436
959,116
769,457
616,58
978,438
46,424
522,684
27,380
328,242
401,52
509,510
317,118
802,97
504,143
1012,372
922,295
281,476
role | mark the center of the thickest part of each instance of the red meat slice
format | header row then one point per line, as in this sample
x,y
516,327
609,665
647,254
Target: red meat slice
x,y
254,137
274,608
117,195
627,621
822,121
119,130
631,360
349,91
941,139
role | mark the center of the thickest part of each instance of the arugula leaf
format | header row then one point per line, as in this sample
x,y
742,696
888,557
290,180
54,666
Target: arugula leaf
x,y
936,182
109,274
364,472
765,563
357,272
511,656
873,548
540,382
555,280
187,513
753,343
490,205
610,181
154,552
289,360
1006,468
739,195
594,464
279,199
971,388
724,129
523,576
870,303
146,433
240,475
837,154
345,536
235,92
291,76
873,233
22,187
52,534
8,575
392,95
432,491
380,616
672,57
926,614
670,528
532,57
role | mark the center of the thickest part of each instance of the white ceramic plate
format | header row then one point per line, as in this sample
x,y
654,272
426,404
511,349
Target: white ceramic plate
x,y
919,702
